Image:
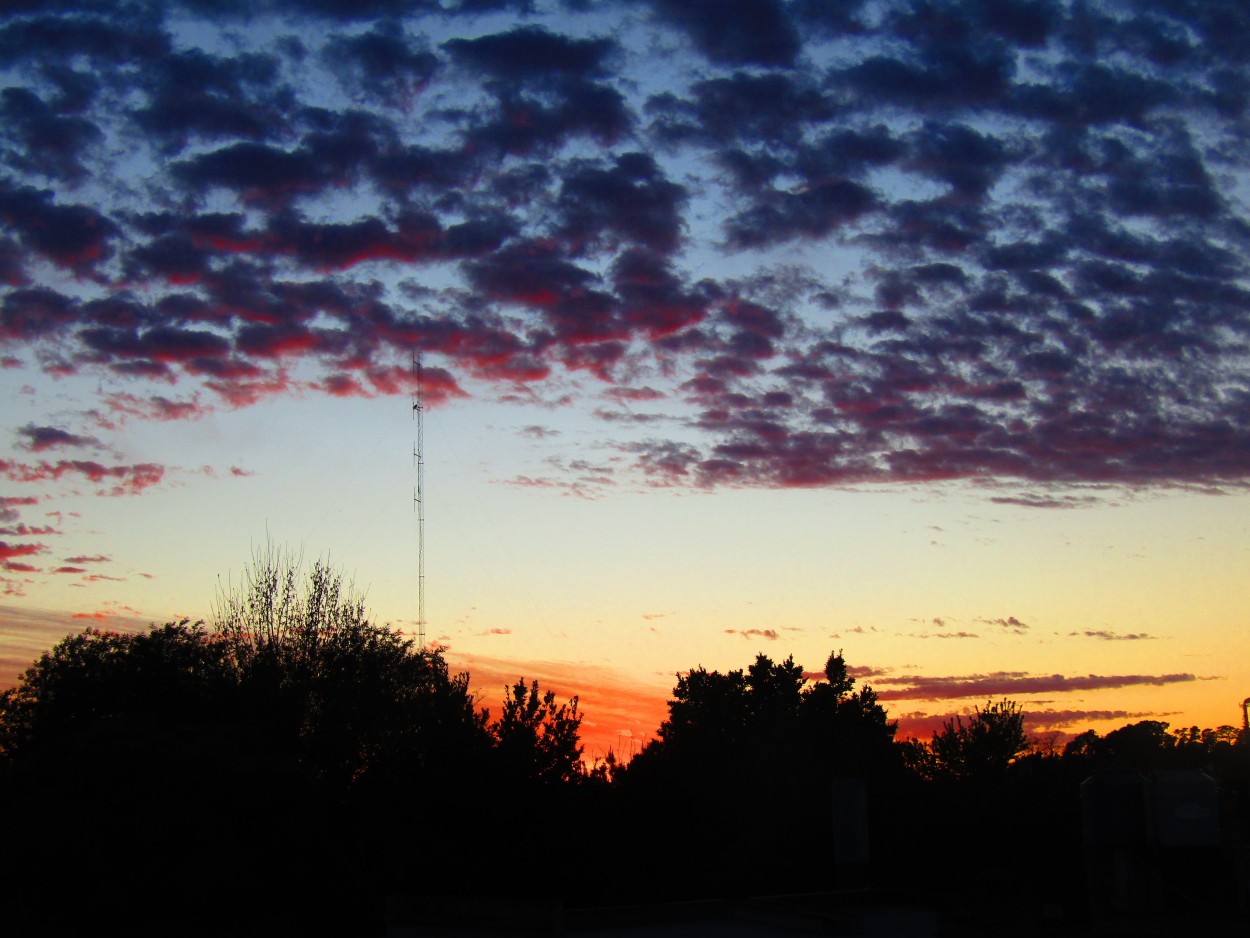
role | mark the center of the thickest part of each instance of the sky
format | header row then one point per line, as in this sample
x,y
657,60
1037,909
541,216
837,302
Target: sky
x,y
912,329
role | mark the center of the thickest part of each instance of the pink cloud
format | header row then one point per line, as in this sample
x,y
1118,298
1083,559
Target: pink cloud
x,y
9,551
155,407
130,480
25,530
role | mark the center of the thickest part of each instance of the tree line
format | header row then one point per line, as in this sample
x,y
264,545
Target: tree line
x,y
295,763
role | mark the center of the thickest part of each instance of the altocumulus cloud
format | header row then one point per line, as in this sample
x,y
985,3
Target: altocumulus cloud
x,y
833,243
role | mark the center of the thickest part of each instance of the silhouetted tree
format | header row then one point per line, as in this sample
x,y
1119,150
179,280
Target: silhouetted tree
x,y
773,693
741,716
174,673
1142,746
847,731
1148,745
127,756
1195,746
707,712
348,695
536,737
760,739
983,746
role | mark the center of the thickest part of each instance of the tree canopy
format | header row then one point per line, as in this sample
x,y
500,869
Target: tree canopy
x,y
332,751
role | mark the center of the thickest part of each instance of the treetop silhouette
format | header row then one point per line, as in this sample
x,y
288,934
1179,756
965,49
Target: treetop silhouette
x,y
300,734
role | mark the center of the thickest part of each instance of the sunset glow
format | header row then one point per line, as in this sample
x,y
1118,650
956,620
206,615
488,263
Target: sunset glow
x,y
913,330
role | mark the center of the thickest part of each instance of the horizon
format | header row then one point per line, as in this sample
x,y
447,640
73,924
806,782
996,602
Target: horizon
x,y
621,715
922,332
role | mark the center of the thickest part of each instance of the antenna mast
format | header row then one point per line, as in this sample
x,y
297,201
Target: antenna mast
x,y
418,455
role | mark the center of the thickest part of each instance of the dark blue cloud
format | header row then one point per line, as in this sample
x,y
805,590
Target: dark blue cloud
x,y
977,239
195,97
44,141
532,55
735,32
73,235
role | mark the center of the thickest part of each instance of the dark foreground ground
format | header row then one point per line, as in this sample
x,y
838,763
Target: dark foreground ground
x,y
848,914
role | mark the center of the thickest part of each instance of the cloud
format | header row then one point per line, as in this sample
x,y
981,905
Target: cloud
x,y
156,407
1040,500
9,505
587,487
1014,684
38,439
630,201
46,141
547,86
126,479
863,672
25,530
9,551
196,97
536,432
383,62
531,55
812,211
74,237
741,109
768,634
1061,719
749,32
1109,636
1009,623
845,244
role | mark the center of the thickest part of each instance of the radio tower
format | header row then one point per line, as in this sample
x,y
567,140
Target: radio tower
x,y
418,455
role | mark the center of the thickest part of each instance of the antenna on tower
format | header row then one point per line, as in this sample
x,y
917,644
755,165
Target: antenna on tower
x,y
418,456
